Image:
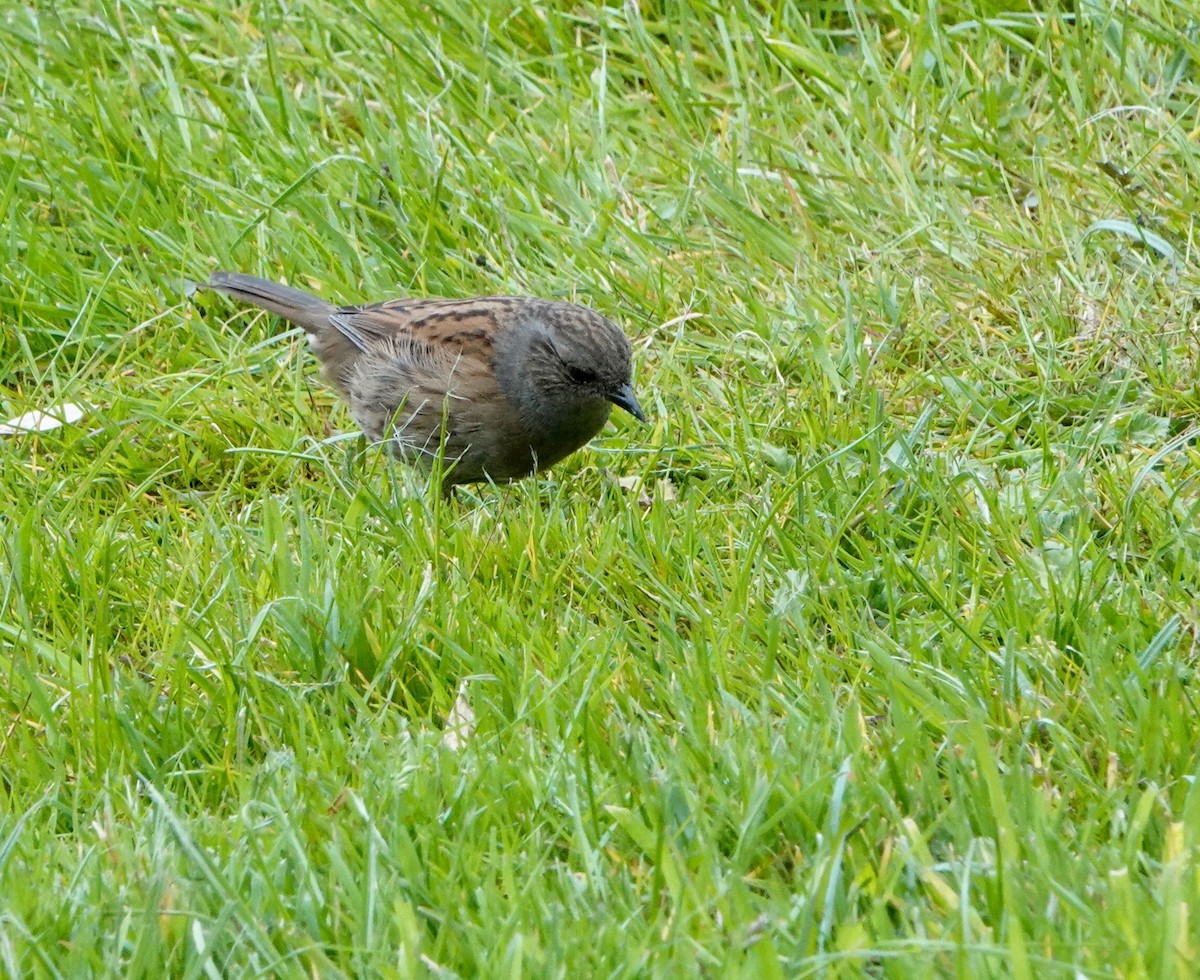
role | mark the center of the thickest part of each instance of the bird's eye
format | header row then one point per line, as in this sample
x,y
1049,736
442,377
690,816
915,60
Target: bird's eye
x,y
581,376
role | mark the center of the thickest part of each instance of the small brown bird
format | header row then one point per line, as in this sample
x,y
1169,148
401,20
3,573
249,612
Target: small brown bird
x,y
503,386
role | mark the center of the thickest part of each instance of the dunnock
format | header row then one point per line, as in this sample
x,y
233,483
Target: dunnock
x,y
503,386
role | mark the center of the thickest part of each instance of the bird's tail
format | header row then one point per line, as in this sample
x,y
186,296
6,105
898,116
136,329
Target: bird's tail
x,y
298,307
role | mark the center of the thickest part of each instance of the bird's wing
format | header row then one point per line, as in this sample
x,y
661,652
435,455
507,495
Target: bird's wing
x,y
399,330
429,383
450,321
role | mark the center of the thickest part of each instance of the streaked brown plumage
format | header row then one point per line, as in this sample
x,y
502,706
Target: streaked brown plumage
x,y
509,385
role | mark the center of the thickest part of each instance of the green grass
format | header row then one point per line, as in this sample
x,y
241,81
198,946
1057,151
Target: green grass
x,y
894,670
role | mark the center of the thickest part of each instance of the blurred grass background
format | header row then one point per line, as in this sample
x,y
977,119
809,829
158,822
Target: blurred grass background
x,y
874,653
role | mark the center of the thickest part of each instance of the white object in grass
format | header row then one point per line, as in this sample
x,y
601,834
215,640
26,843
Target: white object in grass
x,y
39,421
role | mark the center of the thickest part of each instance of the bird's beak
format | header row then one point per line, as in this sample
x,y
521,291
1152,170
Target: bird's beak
x,y
623,398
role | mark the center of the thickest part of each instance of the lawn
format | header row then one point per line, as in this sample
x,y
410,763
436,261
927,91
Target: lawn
x,y
873,653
